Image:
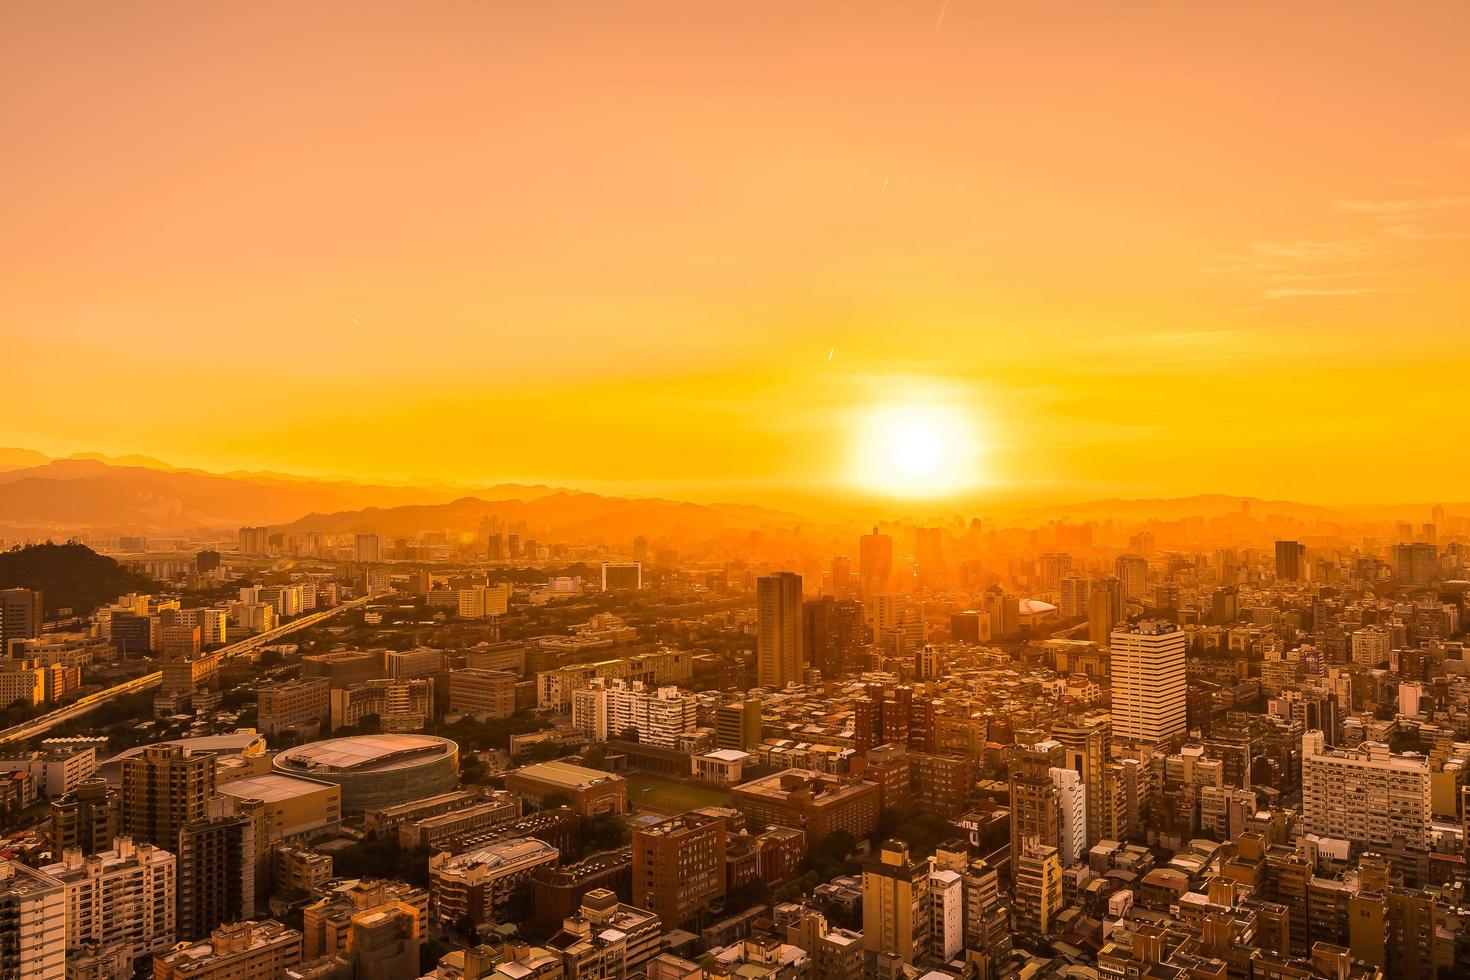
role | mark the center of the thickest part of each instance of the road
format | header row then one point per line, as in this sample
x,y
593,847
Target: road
x,y
44,723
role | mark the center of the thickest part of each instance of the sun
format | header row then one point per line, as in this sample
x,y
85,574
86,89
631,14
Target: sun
x,y
916,450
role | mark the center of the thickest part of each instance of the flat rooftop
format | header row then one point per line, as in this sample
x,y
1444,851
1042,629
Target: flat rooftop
x,y
365,753
272,788
565,774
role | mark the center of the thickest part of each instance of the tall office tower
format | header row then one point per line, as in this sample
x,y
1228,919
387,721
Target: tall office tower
x,y
738,725
495,547
367,549
834,635
778,655
1102,600
896,915
1053,568
841,575
1074,590
1038,887
1088,742
1004,609
679,866
32,924
875,563
1368,794
123,896
217,858
164,788
929,553
1416,563
1035,799
87,818
20,616
1149,686
1224,605
622,576
1132,572
1072,808
1289,561
640,549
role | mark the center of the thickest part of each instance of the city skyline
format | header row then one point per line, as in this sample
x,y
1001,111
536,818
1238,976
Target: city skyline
x,y
933,251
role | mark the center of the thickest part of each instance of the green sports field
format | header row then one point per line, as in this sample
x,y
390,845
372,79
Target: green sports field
x,y
647,792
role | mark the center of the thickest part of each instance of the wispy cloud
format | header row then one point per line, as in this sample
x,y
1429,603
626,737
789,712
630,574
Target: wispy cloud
x,y
1310,293
1404,206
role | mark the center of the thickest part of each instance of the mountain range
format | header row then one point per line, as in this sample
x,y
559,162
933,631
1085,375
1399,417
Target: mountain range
x,y
95,494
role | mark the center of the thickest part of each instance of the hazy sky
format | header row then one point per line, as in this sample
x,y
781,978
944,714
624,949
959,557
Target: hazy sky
x,y
1137,248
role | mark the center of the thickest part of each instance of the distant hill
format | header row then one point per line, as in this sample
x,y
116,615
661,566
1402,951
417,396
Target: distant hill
x,y
580,516
70,576
59,497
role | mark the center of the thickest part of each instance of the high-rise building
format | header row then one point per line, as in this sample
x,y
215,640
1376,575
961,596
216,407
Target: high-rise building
x,y
841,575
87,818
1104,609
164,788
679,866
778,638
1072,809
239,951
738,724
896,910
622,576
1416,563
20,617
32,924
254,541
1368,795
1036,812
1290,561
302,706
123,896
217,862
1370,646
1074,591
1038,887
875,563
1132,572
659,715
1088,742
970,626
367,549
929,554
1150,690
1053,568
482,693
834,635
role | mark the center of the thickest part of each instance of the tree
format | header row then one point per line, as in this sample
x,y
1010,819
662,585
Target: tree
x,y
604,832
595,756
629,734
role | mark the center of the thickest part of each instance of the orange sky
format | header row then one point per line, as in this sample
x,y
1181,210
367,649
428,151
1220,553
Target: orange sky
x,y
1147,248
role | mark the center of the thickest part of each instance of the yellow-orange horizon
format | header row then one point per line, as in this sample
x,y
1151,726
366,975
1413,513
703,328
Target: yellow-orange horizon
x,y
694,249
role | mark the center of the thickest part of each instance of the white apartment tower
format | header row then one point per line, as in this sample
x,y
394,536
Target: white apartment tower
x,y
121,898
1149,685
1368,795
33,909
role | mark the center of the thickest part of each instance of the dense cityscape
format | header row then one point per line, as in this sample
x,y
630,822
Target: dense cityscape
x,y
1184,749
707,490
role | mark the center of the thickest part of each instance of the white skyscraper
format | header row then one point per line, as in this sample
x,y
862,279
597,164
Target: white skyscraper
x,y
124,897
1149,686
367,550
1072,802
